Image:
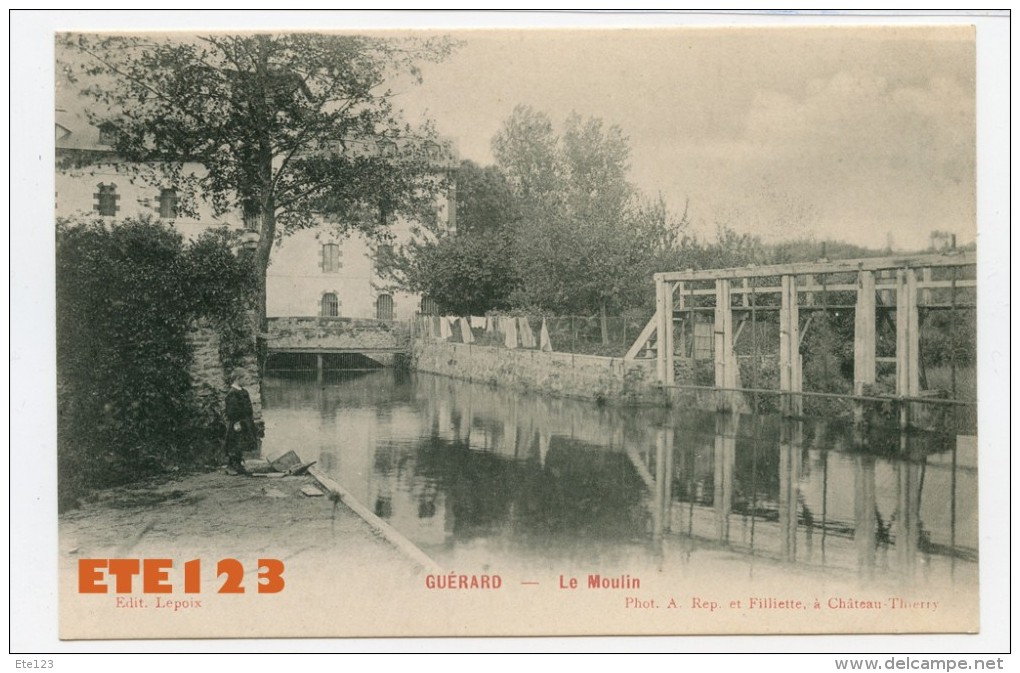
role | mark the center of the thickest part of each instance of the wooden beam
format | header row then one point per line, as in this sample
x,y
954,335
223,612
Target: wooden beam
x,y
836,266
643,338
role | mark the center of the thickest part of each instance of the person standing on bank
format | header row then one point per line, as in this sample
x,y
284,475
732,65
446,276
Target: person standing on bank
x,y
240,435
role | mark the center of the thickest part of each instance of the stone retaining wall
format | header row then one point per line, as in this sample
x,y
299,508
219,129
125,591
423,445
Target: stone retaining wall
x,y
207,373
601,379
337,334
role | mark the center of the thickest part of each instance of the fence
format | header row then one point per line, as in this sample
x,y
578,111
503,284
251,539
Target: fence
x,y
586,335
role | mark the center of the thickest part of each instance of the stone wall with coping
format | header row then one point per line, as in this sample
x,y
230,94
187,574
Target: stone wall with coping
x,y
600,379
336,334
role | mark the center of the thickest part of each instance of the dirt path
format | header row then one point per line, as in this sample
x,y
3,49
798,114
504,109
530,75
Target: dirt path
x,y
330,554
215,513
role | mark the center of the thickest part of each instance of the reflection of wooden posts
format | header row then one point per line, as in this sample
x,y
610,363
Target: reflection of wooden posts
x,y
668,487
789,349
318,367
659,505
725,461
790,440
907,340
906,527
663,481
725,362
865,521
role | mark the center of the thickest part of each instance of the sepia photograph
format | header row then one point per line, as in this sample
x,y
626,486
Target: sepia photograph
x,y
610,329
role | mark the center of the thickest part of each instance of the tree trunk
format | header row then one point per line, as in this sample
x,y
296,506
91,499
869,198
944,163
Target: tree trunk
x,y
604,324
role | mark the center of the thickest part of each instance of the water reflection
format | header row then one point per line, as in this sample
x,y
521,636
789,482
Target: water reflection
x,y
482,476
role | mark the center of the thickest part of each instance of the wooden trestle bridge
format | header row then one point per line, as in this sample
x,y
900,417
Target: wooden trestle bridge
x,y
886,291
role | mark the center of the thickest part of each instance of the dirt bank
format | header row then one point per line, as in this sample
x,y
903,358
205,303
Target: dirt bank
x,y
330,555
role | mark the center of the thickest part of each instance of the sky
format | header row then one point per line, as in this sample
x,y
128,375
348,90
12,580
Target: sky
x,y
865,135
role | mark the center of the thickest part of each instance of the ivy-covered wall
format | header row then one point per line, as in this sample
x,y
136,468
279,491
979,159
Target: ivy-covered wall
x,y
148,329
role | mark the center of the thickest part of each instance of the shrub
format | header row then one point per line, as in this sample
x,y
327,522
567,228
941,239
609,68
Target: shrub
x,y
126,297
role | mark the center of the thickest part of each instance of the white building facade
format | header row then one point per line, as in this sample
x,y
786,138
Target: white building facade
x,y
314,272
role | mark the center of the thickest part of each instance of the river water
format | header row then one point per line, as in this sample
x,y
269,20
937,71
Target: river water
x,y
490,480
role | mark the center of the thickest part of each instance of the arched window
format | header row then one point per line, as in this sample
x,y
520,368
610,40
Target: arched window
x,y
330,305
384,307
106,200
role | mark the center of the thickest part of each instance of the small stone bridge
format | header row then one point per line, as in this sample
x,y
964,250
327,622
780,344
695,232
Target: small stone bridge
x,y
379,339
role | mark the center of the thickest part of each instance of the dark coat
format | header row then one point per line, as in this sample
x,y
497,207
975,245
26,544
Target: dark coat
x,y
241,430
239,406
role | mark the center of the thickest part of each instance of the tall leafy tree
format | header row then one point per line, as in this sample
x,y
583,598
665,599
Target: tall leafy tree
x,y
467,270
587,242
291,129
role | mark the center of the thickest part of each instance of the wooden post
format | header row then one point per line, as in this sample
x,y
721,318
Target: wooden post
x,y
908,382
926,292
660,329
864,332
681,304
725,374
668,288
789,348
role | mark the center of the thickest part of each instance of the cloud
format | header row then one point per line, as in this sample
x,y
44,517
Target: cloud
x,y
863,153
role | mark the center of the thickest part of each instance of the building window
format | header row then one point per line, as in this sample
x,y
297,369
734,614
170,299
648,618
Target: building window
x,y
331,258
429,306
106,200
168,203
107,133
384,307
383,258
330,305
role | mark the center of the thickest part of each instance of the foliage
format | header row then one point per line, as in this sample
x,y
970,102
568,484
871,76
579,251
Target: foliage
x,y
485,202
291,129
586,243
126,296
728,249
468,270
465,273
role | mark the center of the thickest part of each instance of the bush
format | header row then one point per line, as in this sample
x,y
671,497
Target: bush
x,y
126,297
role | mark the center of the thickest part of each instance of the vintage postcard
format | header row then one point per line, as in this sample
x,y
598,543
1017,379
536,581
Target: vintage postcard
x,y
624,330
